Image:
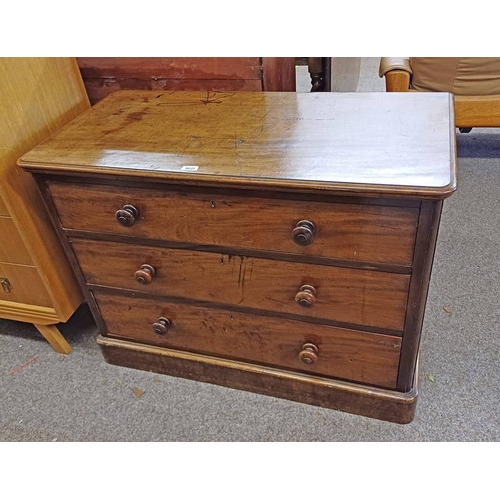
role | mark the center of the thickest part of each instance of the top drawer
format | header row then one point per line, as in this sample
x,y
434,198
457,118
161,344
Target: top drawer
x,y
355,232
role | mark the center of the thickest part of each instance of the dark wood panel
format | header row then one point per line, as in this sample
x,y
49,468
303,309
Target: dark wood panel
x,y
105,75
352,232
328,393
193,68
346,354
367,298
260,254
99,88
279,74
419,285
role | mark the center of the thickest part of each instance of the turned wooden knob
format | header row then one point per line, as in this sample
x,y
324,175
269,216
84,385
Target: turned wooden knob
x,y
306,296
145,274
303,233
161,326
127,215
308,355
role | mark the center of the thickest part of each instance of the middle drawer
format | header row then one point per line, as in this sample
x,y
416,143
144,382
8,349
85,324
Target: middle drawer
x,y
351,296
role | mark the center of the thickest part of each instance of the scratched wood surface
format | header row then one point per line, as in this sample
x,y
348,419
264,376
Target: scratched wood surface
x,y
355,232
361,143
347,354
353,296
105,75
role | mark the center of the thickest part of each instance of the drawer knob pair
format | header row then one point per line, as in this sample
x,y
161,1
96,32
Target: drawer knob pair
x,y
303,233
309,354
127,215
306,296
161,326
145,274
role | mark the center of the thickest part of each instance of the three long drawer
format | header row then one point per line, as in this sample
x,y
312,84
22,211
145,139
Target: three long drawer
x,y
345,231
354,296
317,349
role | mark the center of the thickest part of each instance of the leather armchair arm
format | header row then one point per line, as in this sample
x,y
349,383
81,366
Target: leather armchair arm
x,y
397,72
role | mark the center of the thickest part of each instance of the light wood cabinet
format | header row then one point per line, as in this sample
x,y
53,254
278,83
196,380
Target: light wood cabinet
x,y
37,97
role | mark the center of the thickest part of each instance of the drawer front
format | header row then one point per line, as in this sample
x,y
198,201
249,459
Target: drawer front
x,y
3,209
368,233
23,285
12,249
353,296
347,354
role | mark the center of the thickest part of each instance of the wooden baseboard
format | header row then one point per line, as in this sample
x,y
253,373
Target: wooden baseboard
x,y
363,400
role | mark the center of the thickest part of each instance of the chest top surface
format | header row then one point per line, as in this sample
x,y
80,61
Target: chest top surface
x,y
360,143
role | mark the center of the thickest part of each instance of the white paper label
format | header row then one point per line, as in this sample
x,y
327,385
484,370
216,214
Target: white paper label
x,y
190,168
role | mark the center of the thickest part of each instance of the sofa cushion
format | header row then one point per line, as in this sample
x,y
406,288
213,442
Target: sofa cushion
x,y
458,75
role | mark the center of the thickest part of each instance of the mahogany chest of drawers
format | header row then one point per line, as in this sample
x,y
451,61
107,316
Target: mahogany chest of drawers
x,y
280,243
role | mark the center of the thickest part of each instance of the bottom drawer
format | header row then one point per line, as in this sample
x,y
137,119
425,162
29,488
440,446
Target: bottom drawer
x,y
22,284
294,345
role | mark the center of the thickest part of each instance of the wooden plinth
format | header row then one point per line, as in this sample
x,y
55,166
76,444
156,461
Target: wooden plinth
x,y
368,401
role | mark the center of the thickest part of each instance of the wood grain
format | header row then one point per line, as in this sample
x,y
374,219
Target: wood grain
x,y
100,87
3,209
346,354
324,392
185,68
53,336
26,285
278,74
12,248
370,144
104,75
327,393
28,313
382,234
477,111
368,298
368,172
419,285
37,97
397,81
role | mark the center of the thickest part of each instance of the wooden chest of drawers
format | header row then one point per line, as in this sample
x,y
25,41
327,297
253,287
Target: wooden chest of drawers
x,y
273,242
